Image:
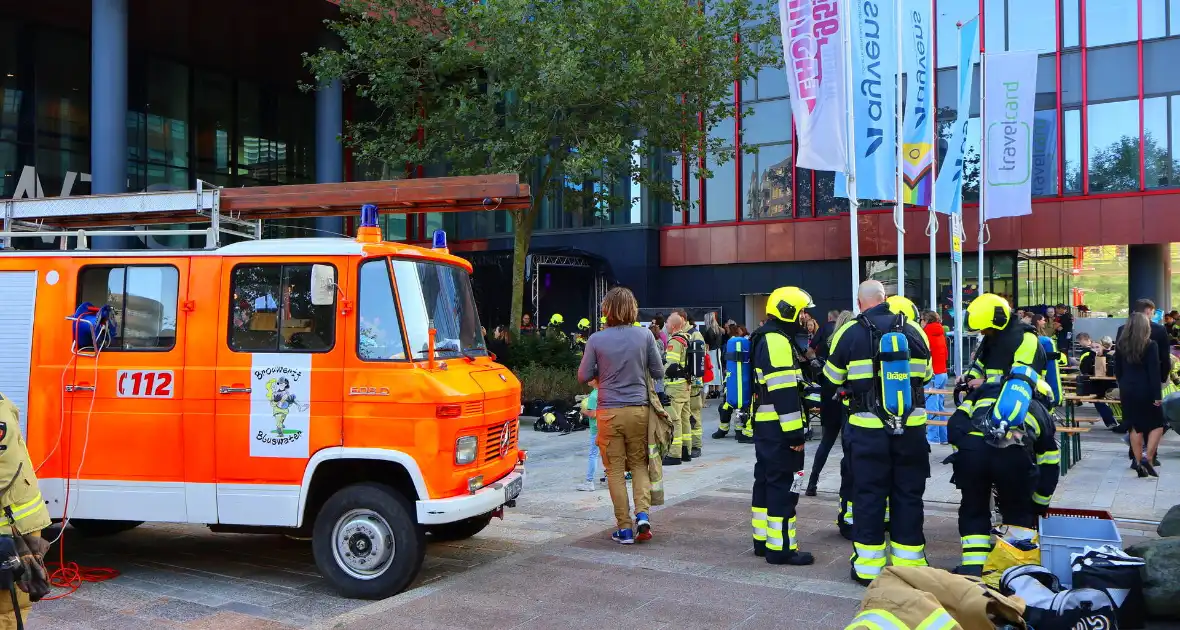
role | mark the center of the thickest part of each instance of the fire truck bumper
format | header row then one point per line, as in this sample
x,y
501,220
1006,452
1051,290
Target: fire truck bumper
x,y
487,499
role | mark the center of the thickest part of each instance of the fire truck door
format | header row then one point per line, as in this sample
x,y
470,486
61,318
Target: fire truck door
x,y
126,442
279,382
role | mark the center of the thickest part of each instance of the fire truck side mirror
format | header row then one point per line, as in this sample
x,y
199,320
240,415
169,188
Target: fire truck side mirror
x,y
323,285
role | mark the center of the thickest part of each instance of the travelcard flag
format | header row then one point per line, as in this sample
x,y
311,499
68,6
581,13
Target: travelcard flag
x,y
948,190
814,52
1008,116
874,79
919,120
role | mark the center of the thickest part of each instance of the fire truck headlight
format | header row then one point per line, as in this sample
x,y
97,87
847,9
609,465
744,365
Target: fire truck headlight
x,y
465,450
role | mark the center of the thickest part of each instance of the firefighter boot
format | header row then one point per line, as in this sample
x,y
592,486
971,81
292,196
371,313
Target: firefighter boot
x,y
686,454
720,435
792,558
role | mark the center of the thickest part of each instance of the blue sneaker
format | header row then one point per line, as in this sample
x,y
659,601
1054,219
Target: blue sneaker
x,y
642,527
623,537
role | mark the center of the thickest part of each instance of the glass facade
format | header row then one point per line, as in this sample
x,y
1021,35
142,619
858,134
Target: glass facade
x,y
183,123
1101,62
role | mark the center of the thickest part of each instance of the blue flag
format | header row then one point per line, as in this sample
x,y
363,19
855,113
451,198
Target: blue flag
x,y
874,102
948,189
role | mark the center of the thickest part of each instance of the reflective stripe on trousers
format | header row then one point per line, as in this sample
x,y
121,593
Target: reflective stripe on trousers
x,y
907,555
758,522
975,549
868,560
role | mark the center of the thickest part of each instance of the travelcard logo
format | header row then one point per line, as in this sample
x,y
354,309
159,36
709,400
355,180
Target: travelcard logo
x,y
1011,140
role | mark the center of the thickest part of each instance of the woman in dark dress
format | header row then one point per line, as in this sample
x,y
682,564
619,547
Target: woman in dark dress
x,y
1137,367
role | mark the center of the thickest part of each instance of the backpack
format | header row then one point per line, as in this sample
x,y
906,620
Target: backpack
x,y
694,356
1052,370
1047,607
891,364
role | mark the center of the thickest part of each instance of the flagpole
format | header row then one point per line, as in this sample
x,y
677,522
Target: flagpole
x,y
899,203
853,228
982,160
933,176
957,232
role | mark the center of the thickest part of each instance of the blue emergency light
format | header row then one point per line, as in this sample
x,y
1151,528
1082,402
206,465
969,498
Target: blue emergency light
x,y
440,240
369,215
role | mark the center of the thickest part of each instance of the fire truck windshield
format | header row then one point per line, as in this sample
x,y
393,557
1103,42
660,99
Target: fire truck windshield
x,y
438,296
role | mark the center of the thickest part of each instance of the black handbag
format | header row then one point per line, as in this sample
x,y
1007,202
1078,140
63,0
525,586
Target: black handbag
x,y
1049,608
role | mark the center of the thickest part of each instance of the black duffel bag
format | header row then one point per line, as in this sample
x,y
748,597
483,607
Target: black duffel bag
x,y
1110,569
1049,608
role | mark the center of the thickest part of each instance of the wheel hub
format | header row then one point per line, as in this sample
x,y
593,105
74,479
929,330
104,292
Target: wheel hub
x,y
362,542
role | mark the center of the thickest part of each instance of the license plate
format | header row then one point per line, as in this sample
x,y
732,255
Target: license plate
x,y
514,488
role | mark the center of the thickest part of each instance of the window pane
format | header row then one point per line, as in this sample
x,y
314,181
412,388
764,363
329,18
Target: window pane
x,y
950,14
1071,79
274,308
1070,24
770,121
63,91
1111,22
670,212
255,323
307,326
768,183
166,113
213,114
1044,180
1173,17
143,303
993,31
1113,146
149,316
826,201
1158,163
720,191
380,335
723,131
104,286
1174,135
1159,65
1111,73
1030,25
772,81
438,296
1073,151
1155,20
803,179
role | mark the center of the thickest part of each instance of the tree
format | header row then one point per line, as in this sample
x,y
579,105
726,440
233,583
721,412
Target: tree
x,y
566,93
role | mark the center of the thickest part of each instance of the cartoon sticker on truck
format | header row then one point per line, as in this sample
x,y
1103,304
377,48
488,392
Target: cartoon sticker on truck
x,y
280,409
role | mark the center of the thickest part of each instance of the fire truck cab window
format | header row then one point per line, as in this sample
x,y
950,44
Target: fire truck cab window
x,y
283,308
143,301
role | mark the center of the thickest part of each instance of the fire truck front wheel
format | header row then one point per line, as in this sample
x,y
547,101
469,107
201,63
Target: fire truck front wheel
x,y
366,543
460,530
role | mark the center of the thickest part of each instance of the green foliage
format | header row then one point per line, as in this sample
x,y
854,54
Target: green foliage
x,y
540,350
561,92
548,383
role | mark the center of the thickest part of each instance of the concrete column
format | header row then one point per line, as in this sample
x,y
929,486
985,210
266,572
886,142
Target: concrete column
x,y
329,152
108,106
1149,274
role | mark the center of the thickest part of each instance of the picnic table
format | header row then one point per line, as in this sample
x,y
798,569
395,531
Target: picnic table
x,y
1071,440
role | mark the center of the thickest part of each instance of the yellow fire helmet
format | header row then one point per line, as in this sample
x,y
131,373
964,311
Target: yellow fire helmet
x,y
602,320
988,311
786,303
584,324
903,306
556,320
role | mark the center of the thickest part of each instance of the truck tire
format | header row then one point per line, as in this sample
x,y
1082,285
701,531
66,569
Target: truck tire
x,y
366,542
93,528
460,530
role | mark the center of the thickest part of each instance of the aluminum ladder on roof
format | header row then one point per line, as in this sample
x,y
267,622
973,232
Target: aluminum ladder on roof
x,y
85,216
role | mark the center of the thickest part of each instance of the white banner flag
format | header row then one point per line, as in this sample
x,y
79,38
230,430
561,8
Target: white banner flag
x,y
1011,90
814,50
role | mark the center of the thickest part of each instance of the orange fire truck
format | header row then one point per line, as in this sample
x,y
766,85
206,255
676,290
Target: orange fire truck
x,y
333,388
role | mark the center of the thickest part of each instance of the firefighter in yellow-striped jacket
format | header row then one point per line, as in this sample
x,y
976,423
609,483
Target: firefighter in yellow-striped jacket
x,y
676,387
778,429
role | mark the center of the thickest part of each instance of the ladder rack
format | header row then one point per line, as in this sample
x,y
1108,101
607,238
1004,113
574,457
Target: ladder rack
x,y
83,217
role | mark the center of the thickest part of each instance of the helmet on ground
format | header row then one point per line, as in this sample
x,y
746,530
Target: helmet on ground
x,y
556,320
988,311
903,306
583,324
786,303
